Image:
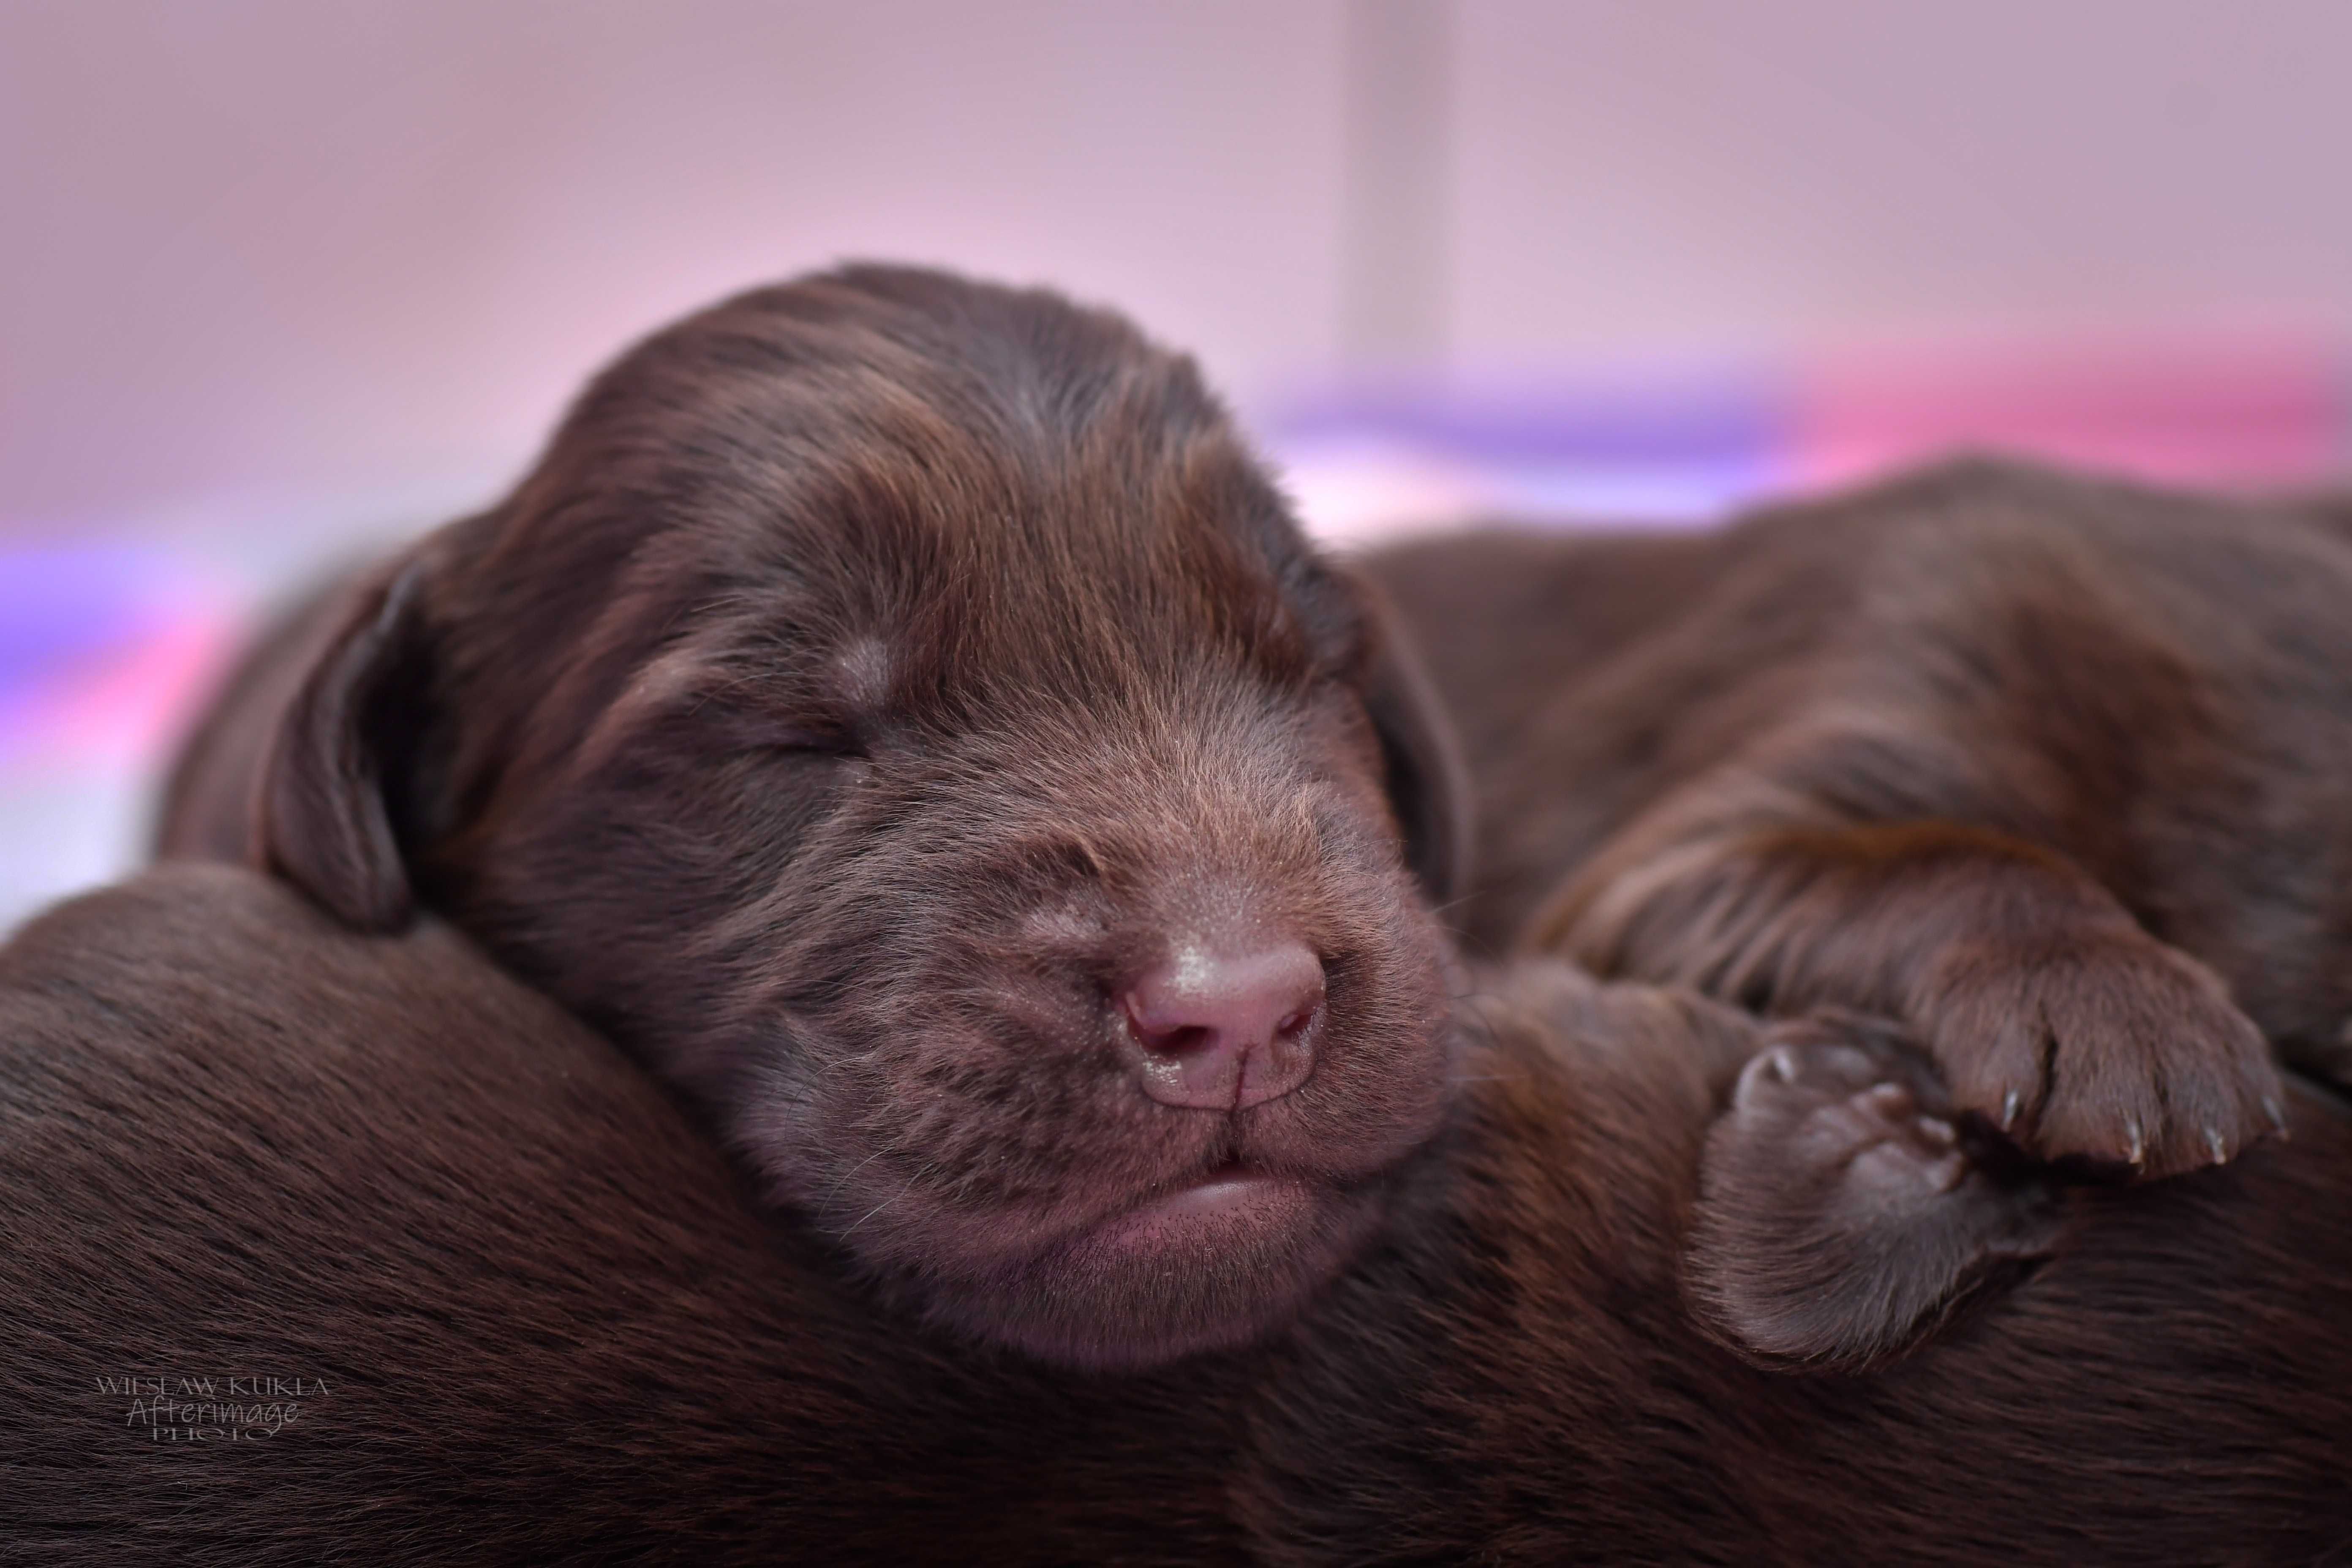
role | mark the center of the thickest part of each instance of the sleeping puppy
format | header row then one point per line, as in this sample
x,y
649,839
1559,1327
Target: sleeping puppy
x,y
1534,1370
2051,769
322,1247
899,711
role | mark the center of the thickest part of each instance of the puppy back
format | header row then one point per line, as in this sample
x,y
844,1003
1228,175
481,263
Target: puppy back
x,y
324,1247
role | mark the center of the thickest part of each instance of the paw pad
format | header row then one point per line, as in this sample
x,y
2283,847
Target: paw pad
x,y
1842,1211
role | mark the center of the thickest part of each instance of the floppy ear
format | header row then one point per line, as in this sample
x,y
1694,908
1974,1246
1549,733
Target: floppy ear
x,y
333,793
1842,1216
1428,787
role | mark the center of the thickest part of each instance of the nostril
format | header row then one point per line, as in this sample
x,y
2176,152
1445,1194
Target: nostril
x,y
1181,1041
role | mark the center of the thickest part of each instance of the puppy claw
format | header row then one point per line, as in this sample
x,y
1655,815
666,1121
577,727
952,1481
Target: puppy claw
x,y
2091,1028
2217,1146
2277,1116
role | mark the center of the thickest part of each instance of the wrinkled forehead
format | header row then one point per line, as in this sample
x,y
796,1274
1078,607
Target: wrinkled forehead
x,y
933,539
926,500
1081,579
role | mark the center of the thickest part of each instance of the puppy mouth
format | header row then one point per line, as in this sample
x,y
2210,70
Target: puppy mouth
x,y
1233,1206
1214,1254
1211,1262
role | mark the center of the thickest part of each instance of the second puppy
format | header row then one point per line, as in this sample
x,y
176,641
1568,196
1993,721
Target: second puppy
x,y
2051,769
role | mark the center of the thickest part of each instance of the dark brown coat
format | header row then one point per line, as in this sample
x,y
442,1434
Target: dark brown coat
x,y
498,1300
2054,770
237,1141
1517,1378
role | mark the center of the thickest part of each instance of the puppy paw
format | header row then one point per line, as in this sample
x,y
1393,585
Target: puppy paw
x,y
2104,1046
1842,1213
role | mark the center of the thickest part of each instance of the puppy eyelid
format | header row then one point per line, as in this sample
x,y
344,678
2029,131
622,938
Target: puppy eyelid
x,y
812,740
745,733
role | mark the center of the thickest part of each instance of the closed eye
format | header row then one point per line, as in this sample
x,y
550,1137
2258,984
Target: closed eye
x,y
726,730
804,740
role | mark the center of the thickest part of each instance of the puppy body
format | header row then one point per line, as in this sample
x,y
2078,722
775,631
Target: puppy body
x,y
330,1249
534,1319
899,712
1517,1377
2051,769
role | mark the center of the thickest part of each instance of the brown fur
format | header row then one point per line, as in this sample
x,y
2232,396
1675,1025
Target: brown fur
x,y
875,675
237,1141
2052,769
1515,1378
1551,1354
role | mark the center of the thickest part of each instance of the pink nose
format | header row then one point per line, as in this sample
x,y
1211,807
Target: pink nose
x,y
1223,1032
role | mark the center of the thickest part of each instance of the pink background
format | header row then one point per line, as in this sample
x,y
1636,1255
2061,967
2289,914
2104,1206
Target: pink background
x,y
281,279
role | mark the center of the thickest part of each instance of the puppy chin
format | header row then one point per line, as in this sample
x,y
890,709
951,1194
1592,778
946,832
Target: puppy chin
x,y
1217,1265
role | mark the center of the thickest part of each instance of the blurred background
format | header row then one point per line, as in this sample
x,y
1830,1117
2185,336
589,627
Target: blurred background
x,y
284,281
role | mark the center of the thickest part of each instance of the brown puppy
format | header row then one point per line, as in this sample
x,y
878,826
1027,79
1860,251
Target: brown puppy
x,y
2053,769
900,712
1516,1379
329,1248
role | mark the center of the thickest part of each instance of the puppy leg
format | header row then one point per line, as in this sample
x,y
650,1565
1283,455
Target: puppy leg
x,y
2051,1013
1842,1215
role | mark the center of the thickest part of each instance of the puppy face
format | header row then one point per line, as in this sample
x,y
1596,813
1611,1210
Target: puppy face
x,y
899,711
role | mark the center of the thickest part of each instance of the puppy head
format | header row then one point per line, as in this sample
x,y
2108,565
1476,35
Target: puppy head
x,y
899,711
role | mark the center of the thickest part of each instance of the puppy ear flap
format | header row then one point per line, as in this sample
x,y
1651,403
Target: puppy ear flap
x,y
333,791
1428,787
1842,1215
